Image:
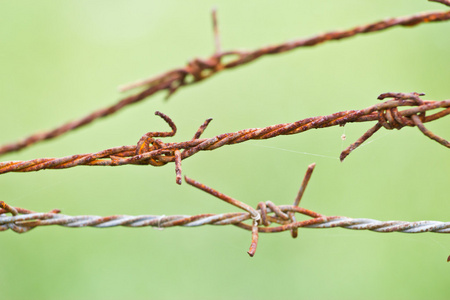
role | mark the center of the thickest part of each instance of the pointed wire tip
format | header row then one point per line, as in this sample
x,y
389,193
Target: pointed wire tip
x,y
214,16
312,166
130,86
188,180
217,43
125,87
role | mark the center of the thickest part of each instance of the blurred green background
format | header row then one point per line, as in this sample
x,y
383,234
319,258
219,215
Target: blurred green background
x,y
62,60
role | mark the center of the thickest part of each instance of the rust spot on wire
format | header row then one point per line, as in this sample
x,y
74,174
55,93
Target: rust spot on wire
x,y
200,69
8,208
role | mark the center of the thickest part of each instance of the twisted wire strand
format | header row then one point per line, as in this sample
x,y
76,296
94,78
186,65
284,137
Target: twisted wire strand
x,y
26,222
267,218
151,151
201,69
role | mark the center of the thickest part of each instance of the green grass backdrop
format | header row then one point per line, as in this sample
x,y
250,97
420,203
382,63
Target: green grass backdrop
x,y
61,60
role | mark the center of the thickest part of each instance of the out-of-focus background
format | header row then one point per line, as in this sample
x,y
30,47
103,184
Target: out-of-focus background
x,y
62,60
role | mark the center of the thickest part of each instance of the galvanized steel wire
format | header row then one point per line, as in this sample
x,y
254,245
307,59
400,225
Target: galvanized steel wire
x,y
23,223
267,218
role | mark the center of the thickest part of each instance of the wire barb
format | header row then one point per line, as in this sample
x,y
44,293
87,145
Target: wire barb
x,y
301,191
200,69
391,118
217,43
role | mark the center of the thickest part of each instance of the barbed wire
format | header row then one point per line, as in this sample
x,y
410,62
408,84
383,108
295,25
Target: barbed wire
x,y
200,69
151,151
265,215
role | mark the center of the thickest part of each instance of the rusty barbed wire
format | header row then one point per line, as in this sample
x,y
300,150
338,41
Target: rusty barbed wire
x,y
200,69
265,215
151,151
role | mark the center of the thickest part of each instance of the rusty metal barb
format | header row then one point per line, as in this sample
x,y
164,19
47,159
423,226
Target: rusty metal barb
x,y
263,218
200,69
255,215
301,191
151,151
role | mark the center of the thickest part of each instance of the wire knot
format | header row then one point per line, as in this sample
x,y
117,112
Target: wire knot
x,y
147,143
204,68
390,118
24,225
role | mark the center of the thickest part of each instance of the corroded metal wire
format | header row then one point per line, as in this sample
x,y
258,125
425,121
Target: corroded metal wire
x,y
152,151
201,69
263,218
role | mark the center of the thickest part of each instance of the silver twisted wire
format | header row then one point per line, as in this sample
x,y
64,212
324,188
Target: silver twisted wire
x,y
18,223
